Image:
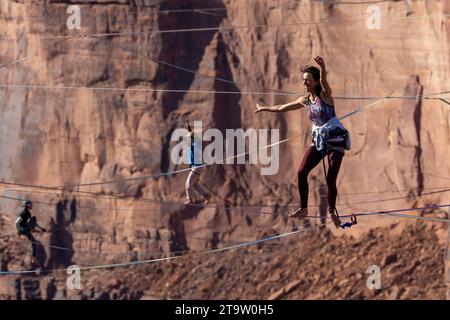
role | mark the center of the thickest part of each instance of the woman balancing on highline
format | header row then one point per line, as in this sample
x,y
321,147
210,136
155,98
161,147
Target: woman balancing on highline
x,y
330,138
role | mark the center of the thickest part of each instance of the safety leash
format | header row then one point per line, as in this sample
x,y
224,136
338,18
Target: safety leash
x,y
353,220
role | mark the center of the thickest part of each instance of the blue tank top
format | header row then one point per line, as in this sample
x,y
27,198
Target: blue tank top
x,y
194,156
319,112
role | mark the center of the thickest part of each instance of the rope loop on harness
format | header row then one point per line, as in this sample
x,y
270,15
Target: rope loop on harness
x,y
352,222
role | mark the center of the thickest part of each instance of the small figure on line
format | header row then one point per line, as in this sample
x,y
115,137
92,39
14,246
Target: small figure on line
x,y
192,182
26,224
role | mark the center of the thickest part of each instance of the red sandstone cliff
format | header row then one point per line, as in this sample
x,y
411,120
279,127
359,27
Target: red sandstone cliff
x,y
60,137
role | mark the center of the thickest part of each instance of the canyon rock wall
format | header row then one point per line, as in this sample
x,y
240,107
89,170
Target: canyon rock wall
x,y
55,136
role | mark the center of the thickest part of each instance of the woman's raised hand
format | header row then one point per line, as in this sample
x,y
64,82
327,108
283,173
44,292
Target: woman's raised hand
x,y
320,61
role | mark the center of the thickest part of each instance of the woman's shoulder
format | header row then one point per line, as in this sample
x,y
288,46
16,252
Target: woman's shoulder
x,y
327,99
303,99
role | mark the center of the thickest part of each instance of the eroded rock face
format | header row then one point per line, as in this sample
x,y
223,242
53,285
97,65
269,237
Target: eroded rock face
x,y
71,136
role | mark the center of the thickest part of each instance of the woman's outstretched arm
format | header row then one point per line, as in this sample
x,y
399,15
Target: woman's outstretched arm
x,y
323,77
294,105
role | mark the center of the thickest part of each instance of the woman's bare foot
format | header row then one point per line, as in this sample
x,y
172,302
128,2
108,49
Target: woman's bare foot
x,y
299,213
335,219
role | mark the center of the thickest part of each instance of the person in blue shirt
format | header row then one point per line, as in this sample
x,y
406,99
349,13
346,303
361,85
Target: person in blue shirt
x,y
192,183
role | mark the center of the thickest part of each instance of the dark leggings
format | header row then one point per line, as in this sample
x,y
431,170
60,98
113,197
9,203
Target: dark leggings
x,y
311,159
26,231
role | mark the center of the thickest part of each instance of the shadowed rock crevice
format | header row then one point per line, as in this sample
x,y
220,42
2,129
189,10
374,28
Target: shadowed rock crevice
x,y
409,117
61,239
184,48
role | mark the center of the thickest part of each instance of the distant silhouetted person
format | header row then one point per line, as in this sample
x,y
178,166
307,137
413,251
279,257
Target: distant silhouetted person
x,y
26,224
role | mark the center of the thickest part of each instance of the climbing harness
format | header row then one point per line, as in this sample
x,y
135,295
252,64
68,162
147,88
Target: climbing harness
x,y
351,223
